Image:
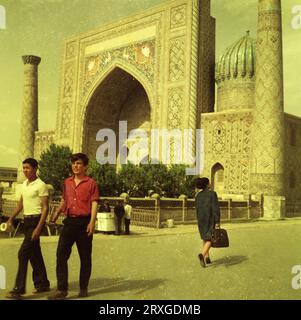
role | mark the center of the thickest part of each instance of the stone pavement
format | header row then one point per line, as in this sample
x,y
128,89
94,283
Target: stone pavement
x,y
162,264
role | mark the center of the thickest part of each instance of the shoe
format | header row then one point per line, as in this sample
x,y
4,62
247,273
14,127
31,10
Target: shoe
x,y
208,261
14,294
40,290
83,293
58,295
202,261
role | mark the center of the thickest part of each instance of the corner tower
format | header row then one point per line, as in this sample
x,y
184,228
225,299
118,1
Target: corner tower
x,y
267,173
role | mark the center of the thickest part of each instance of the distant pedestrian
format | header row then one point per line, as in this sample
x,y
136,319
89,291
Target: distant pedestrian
x,y
119,214
105,207
127,217
208,216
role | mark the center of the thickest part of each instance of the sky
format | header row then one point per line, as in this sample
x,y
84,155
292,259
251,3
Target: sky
x,y
39,27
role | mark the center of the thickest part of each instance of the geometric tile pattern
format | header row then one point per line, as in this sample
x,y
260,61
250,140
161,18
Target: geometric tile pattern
x,y
70,50
178,17
228,141
177,60
66,124
268,140
175,108
140,55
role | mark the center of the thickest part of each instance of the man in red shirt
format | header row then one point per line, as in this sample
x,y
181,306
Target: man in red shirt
x,y
79,203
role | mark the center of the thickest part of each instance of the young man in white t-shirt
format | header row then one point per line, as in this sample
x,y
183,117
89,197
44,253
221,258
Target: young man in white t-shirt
x,y
34,203
127,216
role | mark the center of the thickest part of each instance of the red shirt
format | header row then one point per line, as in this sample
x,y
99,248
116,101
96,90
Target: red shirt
x,y
78,199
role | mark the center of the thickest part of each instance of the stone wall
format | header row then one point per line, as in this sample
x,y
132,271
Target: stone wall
x,y
162,48
292,157
43,139
227,141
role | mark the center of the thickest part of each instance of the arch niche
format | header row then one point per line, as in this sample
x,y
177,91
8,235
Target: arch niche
x,y
217,178
119,97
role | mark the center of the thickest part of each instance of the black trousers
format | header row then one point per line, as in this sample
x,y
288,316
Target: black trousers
x,y
127,225
74,231
118,222
31,251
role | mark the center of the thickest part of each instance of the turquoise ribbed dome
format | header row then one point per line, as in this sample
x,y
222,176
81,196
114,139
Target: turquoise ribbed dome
x,y
238,61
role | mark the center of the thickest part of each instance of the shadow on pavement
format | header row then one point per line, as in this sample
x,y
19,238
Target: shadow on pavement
x,y
131,235
99,286
229,261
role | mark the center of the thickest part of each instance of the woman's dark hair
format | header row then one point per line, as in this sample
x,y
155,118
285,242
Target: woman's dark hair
x,y
80,156
201,183
32,162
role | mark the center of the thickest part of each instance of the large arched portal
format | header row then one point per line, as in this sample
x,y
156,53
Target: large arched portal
x,y
119,97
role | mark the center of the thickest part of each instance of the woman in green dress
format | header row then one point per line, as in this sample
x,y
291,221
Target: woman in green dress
x,y
208,216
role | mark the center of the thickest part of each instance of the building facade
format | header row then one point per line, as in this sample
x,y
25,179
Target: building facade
x,y
156,70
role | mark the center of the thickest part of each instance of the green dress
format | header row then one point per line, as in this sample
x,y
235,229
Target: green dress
x,y
208,212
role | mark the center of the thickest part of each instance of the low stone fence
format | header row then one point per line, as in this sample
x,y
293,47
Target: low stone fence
x,y
154,212
293,208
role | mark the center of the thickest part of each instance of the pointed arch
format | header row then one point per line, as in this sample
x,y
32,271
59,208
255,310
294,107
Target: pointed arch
x,y
117,96
109,69
217,177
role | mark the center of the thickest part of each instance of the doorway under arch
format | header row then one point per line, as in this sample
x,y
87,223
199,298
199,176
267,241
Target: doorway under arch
x,y
119,97
217,178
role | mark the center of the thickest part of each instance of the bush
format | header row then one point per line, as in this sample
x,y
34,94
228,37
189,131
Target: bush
x,y
55,166
171,181
131,180
106,177
178,182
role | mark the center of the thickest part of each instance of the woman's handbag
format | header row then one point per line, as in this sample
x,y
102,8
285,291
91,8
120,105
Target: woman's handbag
x,y
219,238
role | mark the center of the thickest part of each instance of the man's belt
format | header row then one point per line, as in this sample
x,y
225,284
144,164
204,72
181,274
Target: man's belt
x,y
78,216
26,216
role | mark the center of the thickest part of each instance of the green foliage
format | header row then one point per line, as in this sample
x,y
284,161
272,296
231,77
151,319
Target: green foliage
x,y
169,182
178,182
135,180
131,180
156,178
106,177
55,166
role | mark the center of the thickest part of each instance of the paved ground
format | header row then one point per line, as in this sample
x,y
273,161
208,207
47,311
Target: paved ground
x,y
163,264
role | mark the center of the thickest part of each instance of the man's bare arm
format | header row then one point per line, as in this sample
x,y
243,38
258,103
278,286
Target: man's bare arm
x,y
91,225
16,211
58,211
45,207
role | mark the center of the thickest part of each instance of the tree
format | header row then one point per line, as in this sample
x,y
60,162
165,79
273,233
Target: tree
x,y
155,177
55,166
131,180
178,182
106,177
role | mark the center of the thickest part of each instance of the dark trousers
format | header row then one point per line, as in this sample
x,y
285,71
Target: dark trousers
x,y
74,231
127,225
118,222
31,251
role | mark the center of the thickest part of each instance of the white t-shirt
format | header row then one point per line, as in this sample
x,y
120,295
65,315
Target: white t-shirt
x,y
31,194
128,211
